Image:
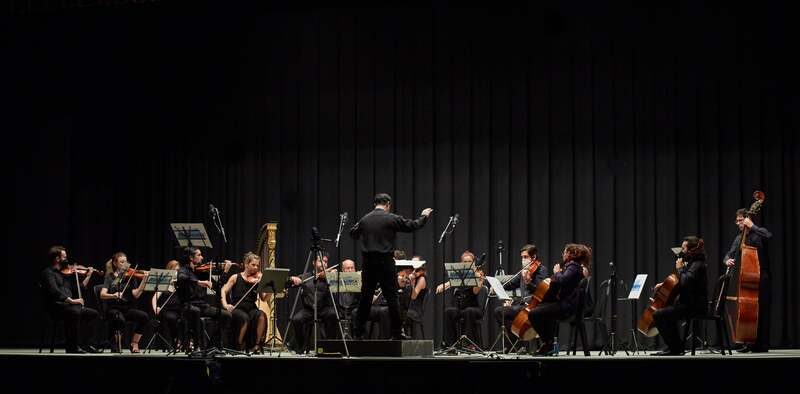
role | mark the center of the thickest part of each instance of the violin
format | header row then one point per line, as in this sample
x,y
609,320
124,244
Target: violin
x,y
138,274
81,270
205,267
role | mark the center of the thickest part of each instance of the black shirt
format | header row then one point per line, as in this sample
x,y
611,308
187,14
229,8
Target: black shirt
x,y
378,230
114,286
240,288
693,284
188,289
323,296
755,238
55,285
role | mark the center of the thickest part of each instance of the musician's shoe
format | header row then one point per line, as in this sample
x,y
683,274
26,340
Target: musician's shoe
x,y
91,349
759,349
545,350
744,349
668,352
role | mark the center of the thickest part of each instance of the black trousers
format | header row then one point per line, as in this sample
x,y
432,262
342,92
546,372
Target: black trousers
x,y
246,315
303,321
192,314
378,269
380,314
77,321
169,319
117,316
764,304
472,327
667,321
508,314
544,317
413,323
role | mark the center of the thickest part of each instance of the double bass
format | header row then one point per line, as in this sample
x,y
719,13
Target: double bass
x,y
749,277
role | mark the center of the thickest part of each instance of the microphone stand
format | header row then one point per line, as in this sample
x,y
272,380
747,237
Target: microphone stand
x,y
448,229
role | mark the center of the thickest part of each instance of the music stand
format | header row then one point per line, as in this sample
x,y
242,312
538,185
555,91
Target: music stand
x,y
461,275
160,280
497,287
191,234
273,281
345,282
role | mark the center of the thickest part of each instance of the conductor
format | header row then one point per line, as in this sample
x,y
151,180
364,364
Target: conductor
x,y
377,231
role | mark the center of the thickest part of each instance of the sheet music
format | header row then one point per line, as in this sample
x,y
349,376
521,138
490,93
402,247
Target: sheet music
x,y
638,285
498,289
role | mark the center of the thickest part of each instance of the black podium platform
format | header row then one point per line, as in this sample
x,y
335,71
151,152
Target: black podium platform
x,y
379,348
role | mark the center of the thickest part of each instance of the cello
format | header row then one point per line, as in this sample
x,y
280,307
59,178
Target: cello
x,y
749,277
521,326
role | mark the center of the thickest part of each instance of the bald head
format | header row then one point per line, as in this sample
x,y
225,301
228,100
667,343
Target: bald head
x,y
348,266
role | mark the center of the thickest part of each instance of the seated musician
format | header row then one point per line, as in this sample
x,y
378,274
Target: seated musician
x,y
414,287
166,306
192,295
63,304
692,295
526,281
561,300
466,303
304,315
120,291
348,302
242,293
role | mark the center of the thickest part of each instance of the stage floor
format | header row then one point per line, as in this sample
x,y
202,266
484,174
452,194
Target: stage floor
x,y
26,370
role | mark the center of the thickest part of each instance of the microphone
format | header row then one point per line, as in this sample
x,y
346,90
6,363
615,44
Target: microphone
x,y
315,234
211,209
500,245
344,217
455,219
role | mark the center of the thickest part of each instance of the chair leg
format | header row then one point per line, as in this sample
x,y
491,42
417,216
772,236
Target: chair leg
x,y
53,336
695,330
584,342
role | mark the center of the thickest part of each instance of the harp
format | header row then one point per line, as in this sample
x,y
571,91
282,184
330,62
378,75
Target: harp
x,y
266,250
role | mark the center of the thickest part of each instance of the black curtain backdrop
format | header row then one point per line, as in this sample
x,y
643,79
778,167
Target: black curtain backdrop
x,y
625,128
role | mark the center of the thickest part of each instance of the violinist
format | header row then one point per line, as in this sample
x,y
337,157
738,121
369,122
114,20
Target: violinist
x,y
348,302
240,288
561,300
526,281
466,304
166,306
756,237
416,289
692,295
63,304
191,292
120,290
304,316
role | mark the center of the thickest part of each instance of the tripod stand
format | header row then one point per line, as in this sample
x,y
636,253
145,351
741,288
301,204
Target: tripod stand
x,y
315,254
611,346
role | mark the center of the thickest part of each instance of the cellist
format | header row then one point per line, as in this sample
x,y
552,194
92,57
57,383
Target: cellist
x,y
756,237
692,296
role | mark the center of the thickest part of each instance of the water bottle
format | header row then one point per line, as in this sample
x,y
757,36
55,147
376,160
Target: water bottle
x,y
555,346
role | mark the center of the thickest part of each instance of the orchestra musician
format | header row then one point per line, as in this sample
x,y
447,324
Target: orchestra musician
x,y
63,304
304,315
191,291
240,288
466,303
756,237
120,291
692,296
526,281
561,300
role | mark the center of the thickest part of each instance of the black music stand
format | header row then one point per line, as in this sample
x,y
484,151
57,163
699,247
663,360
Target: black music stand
x,y
273,281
